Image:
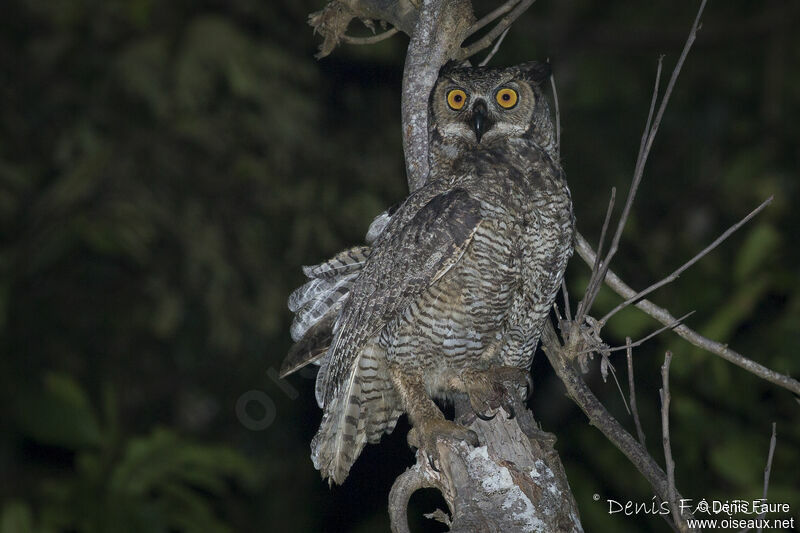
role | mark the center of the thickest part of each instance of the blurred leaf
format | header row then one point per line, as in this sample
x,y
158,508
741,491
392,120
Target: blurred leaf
x,y
761,244
734,460
16,517
59,415
739,306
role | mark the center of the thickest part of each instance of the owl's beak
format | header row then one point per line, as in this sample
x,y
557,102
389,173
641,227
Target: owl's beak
x,y
479,119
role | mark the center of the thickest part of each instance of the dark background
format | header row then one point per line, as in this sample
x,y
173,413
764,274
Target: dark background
x,y
166,167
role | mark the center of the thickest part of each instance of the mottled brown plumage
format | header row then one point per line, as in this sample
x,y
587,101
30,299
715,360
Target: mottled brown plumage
x,y
451,297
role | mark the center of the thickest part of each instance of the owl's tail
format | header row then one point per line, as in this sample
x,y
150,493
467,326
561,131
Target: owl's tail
x,y
316,306
367,406
365,409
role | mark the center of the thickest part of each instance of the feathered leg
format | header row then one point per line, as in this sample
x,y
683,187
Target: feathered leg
x,y
429,424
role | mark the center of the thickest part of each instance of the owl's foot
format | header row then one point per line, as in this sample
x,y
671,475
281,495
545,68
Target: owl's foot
x,y
424,437
495,388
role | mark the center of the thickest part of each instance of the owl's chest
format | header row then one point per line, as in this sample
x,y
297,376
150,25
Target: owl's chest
x,y
462,317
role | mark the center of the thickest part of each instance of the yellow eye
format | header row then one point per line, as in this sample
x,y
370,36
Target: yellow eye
x,y
456,99
507,98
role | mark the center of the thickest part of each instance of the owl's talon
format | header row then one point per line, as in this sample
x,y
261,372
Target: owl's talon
x,y
432,463
424,437
497,387
485,417
528,386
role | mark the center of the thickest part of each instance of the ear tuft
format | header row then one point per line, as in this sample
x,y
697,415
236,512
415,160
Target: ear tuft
x,y
536,71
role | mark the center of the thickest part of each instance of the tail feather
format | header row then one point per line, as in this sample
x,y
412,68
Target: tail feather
x,y
312,347
345,262
365,408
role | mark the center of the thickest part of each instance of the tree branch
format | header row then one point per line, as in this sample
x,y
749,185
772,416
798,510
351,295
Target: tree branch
x,y
586,252
598,415
493,15
632,394
668,460
494,33
372,39
514,482
491,54
440,30
686,265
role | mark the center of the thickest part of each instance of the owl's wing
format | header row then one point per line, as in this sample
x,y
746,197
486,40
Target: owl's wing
x,y
406,259
412,252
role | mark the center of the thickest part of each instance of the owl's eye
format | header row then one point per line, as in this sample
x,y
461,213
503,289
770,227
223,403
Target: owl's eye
x,y
456,99
506,98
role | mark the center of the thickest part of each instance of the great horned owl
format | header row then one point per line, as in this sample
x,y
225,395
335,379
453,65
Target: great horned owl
x,y
450,298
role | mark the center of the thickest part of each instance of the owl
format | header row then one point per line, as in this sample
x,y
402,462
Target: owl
x,y
449,296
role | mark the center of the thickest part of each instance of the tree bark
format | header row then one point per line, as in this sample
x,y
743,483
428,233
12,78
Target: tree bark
x,y
514,481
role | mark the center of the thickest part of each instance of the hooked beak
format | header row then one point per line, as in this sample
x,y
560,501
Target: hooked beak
x,y
479,119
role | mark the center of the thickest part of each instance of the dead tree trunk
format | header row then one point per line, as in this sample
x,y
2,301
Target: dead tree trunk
x,y
513,482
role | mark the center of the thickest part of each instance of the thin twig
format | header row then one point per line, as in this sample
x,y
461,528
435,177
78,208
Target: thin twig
x,y
672,277
558,112
649,135
595,281
565,294
772,442
637,421
372,39
632,392
584,249
653,101
598,415
600,268
669,462
491,54
652,130
768,469
494,33
641,341
490,17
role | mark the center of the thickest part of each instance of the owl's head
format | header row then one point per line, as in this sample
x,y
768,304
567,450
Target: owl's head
x,y
474,107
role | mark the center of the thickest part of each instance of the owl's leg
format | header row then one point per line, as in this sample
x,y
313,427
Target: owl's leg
x,y
429,424
493,388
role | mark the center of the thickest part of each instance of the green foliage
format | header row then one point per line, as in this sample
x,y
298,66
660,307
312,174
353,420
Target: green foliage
x,y
59,414
158,482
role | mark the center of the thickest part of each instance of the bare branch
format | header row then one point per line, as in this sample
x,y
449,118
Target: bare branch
x,y
632,393
599,416
600,267
584,249
404,486
372,39
636,420
672,277
595,280
649,135
670,463
491,54
641,341
558,112
492,16
772,442
441,28
652,130
565,294
494,33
